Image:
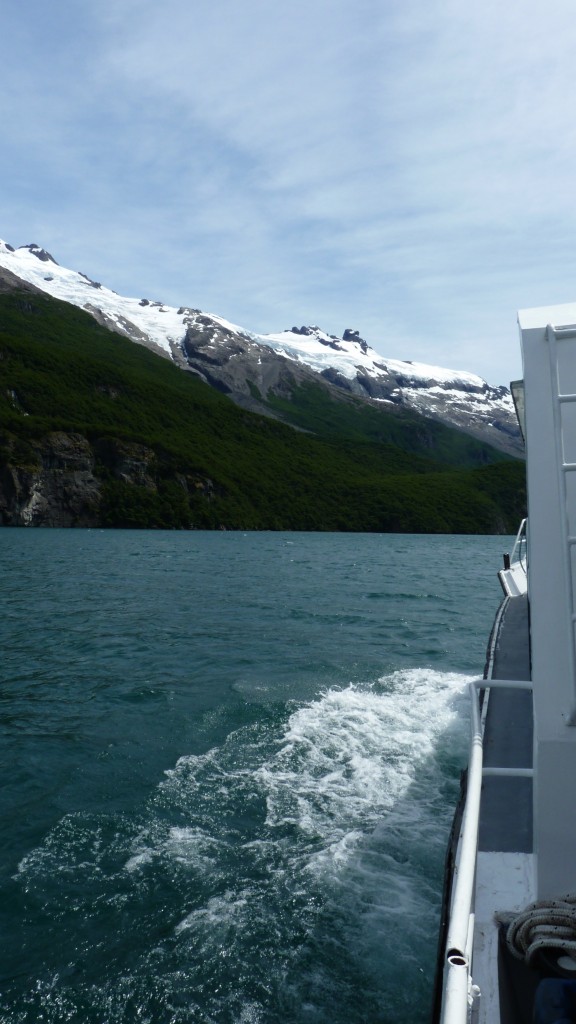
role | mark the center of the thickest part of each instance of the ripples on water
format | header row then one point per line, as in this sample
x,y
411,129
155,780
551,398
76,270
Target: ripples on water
x,y
232,764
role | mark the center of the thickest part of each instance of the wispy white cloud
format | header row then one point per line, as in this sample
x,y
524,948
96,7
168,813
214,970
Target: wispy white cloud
x,y
402,168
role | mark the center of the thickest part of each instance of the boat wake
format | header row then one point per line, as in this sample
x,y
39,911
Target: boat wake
x,y
292,873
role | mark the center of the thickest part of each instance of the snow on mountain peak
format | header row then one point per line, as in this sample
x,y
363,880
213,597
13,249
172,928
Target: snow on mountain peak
x,y
146,322
39,252
457,397
166,326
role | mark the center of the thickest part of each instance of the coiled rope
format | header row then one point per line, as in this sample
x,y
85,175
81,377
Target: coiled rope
x,y
544,925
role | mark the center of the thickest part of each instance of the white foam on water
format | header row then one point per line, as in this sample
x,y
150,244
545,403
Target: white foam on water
x,y
295,865
347,758
250,1013
369,779
218,916
346,763
357,796
191,847
139,860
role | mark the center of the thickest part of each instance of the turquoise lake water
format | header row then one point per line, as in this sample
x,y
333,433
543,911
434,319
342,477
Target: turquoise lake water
x,y
229,766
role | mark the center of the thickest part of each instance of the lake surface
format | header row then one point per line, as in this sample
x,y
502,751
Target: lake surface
x,y
230,763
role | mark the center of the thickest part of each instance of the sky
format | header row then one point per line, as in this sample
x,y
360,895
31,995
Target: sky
x,y
405,168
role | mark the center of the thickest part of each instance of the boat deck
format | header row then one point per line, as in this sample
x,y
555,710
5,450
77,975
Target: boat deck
x,y
505,865
506,809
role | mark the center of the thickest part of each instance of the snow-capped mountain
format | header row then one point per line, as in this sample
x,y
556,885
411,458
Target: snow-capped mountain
x,y
250,366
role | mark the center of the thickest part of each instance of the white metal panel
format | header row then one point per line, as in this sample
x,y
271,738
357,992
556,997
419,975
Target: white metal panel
x,y
505,884
549,354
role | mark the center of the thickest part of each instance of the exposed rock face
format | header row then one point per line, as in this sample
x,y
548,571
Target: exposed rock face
x,y
56,488
10,283
58,481
127,461
238,366
350,335
251,368
123,326
250,371
40,253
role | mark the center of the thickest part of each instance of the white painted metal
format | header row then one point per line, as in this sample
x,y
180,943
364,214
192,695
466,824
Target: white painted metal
x,y
463,882
514,580
458,994
502,684
549,354
508,882
564,408
504,885
455,999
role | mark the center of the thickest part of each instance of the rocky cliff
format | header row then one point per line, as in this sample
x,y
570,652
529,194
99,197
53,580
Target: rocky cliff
x,y
98,431
64,480
251,368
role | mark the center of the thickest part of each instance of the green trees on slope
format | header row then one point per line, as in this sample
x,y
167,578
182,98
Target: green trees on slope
x,y
208,464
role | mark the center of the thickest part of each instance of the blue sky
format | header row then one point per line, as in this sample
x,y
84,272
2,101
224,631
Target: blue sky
x,y
405,168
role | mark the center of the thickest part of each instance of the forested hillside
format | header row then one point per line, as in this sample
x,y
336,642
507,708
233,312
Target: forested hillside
x,y
98,431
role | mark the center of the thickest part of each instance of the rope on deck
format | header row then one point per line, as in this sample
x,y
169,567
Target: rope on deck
x,y
544,925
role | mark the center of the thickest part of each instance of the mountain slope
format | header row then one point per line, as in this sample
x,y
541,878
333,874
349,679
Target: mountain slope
x,y
95,430
260,372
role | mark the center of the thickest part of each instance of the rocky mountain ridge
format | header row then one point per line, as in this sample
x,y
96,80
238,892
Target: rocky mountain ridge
x,y
252,368
98,431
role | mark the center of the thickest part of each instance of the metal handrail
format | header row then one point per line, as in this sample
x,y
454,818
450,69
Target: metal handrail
x,y
457,975
514,576
520,544
519,549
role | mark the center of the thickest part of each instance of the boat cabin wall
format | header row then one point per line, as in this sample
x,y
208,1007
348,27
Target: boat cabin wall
x,y
549,356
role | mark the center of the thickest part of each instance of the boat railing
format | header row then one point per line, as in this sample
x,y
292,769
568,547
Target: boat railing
x,y
514,576
458,988
519,553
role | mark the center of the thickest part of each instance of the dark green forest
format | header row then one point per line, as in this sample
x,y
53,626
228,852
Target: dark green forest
x,y
167,451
